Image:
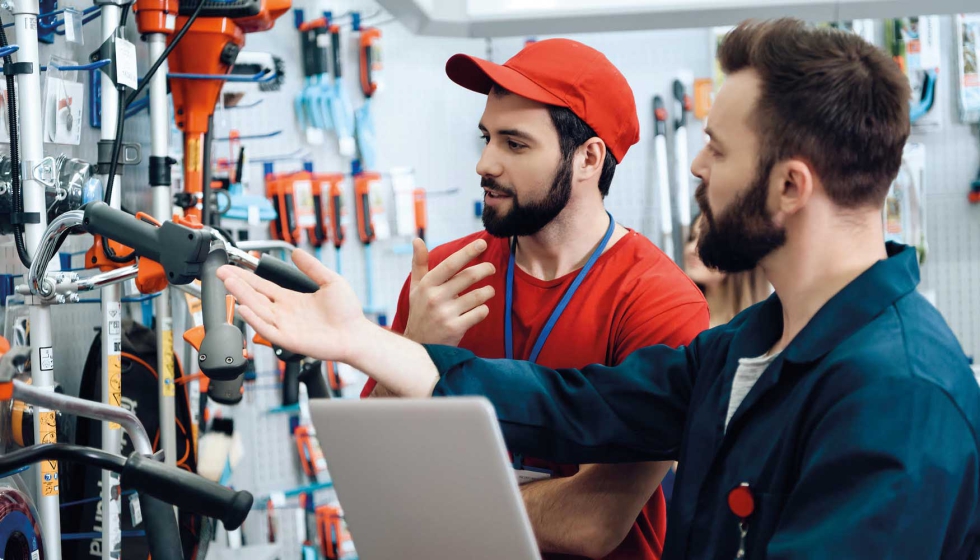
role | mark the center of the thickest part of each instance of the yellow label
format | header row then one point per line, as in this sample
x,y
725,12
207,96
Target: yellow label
x,y
115,384
49,469
169,390
194,306
193,155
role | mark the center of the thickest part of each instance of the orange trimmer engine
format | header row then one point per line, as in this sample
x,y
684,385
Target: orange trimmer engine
x,y
156,16
209,48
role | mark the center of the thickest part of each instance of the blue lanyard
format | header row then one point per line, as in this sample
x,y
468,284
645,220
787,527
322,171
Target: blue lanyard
x,y
546,331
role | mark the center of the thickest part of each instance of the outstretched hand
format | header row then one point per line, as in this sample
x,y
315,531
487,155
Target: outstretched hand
x,y
321,325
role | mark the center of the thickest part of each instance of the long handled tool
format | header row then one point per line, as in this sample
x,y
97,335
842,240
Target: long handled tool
x,y
682,174
31,215
156,20
662,186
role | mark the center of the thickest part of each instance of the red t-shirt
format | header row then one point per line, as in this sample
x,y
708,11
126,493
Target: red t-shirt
x,y
633,297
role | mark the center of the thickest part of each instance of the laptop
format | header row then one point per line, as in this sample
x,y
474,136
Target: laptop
x,y
424,479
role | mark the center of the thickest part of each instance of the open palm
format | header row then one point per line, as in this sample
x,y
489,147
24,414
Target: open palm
x,y
320,325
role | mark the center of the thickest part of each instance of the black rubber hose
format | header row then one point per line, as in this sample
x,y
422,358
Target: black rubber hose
x,y
162,532
124,101
18,206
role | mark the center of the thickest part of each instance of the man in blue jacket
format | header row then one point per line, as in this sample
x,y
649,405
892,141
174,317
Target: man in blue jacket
x,y
837,420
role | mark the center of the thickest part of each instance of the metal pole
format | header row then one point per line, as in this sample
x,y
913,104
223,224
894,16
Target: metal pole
x,y
160,136
111,319
42,354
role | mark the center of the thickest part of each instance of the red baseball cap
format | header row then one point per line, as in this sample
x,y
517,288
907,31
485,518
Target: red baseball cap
x,y
565,73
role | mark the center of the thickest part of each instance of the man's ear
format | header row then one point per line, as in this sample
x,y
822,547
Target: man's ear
x,y
593,155
792,184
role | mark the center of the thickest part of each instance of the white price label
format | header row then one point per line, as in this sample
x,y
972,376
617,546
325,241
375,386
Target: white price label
x,y
278,499
134,510
126,73
47,359
305,208
73,26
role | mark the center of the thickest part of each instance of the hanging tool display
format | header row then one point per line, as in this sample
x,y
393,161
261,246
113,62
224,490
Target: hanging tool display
x,y
312,103
340,106
367,229
661,187
337,214
323,185
370,66
279,189
682,173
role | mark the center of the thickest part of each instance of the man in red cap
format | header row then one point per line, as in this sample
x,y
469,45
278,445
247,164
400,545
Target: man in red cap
x,y
569,286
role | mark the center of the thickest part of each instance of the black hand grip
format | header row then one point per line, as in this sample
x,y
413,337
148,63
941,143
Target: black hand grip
x,y
290,219
290,384
160,524
102,219
316,384
319,231
335,47
221,355
187,491
226,392
179,249
276,225
335,217
214,309
287,276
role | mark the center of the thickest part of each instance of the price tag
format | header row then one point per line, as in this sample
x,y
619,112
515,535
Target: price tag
x,y
305,208
126,63
278,499
73,26
136,514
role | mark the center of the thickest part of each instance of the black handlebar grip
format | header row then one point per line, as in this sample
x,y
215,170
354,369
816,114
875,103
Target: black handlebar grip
x,y
181,250
222,355
187,491
285,275
312,376
102,219
160,524
226,392
290,384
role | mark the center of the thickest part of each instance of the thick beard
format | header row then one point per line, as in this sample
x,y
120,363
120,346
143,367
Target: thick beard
x,y
528,219
744,234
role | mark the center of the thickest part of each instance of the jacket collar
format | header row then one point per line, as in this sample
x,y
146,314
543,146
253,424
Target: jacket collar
x,y
866,297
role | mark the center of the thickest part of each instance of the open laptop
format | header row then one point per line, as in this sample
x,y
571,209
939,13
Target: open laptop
x,y
424,479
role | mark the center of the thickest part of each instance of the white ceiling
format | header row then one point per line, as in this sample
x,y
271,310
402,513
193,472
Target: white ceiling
x,y
508,18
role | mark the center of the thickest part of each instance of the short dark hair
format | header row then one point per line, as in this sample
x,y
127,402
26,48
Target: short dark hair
x,y
828,97
572,133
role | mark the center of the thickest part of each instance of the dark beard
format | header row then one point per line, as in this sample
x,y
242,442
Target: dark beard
x,y
530,218
744,234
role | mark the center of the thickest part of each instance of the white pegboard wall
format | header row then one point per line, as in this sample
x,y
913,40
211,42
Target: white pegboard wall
x,y
953,225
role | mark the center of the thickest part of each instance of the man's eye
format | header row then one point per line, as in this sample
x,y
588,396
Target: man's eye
x,y
515,146
486,139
